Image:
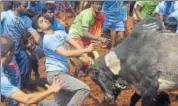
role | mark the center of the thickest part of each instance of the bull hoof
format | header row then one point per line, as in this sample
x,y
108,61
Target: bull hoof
x,y
109,98
163,99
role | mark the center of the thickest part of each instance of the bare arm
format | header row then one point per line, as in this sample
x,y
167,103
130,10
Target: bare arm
x,y
70,53
74,44
126,28
91,36
28,99
137,11
36,37
161,18
84,57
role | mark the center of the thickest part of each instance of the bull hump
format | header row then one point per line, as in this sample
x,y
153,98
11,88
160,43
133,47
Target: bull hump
x,y
150,51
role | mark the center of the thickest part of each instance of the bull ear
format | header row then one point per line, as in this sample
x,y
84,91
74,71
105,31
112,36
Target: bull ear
x,y
113,62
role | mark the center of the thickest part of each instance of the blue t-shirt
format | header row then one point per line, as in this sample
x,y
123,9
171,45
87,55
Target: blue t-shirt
x,y
7,89
175,14
55,61
14,26
27,23
56,25
165,8
114,11
37,8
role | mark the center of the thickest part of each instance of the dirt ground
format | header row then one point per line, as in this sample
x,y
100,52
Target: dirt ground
x,y
96,96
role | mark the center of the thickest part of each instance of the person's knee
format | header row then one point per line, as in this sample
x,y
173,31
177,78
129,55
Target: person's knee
x,y
86,90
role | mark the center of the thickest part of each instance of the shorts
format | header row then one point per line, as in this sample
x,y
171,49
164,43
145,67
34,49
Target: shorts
x,y
114,26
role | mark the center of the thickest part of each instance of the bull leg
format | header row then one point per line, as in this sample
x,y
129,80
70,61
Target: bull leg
x,y
97,77
134,99
149,87
162,99
105,87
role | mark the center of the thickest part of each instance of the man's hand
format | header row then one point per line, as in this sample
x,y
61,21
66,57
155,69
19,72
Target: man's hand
x,y
90,48
102,39
86,60
91,61
56,86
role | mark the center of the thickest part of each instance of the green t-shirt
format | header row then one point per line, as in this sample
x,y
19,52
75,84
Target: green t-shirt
x,y
84,19
147,8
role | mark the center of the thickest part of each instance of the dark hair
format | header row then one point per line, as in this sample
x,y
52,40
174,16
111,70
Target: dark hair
x,y
8,5
7,45
92,2
17,3
35,21
47,7
171,23
30,13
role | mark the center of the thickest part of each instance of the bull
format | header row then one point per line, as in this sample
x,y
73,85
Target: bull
x,y
147,60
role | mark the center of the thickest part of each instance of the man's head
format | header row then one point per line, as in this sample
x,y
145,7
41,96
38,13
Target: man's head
x,y
34,3
30,13
97,6
168,2
49,11
7,48
171,24
41,24
7,5
20,6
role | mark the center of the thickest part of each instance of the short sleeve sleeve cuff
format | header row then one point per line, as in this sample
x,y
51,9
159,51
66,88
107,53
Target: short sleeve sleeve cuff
x,y
7,89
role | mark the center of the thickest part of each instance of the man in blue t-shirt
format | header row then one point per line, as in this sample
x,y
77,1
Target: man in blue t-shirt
x,y
115,17
10,91
49,12
36,6
54,46
165,8
175,15
13,25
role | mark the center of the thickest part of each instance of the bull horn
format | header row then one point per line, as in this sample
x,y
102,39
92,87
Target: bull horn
x,y
113,62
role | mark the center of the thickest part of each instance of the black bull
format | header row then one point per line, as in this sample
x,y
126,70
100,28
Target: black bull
x,y
147,60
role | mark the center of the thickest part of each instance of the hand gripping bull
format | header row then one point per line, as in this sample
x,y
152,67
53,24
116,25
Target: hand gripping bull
x,y
147,61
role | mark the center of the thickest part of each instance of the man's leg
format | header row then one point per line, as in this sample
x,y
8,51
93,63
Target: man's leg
x,y
34,64
113,38
120,35
23,63
73,86
118,30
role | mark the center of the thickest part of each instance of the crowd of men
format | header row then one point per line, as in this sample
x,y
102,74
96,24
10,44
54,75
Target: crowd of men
x,y
29,27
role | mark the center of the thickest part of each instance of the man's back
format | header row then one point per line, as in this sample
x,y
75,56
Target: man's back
x,y
147,8
12,26
84,19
